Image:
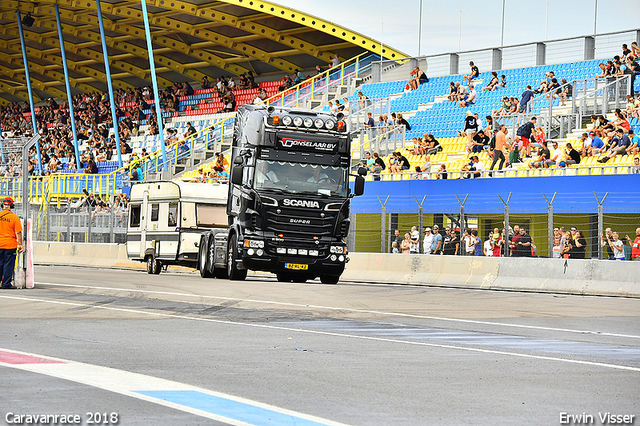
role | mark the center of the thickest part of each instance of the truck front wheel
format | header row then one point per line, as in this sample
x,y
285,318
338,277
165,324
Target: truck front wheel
x,y
329,279
234,273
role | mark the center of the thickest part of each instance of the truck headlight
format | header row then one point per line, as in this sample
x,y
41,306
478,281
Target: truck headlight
x,y
340,258
333,257
303,252
297,121
292,251
330,124
314,253
254,243
308,122
281,250
319,123
338,250
286,120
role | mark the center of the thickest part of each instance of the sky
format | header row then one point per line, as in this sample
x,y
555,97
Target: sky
x,y
396,22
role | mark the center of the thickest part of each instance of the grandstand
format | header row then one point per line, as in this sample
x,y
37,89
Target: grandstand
x,y
428,111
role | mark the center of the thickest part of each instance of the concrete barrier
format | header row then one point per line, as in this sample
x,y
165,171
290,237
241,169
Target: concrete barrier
x,y
570,276
567,276
461,271
112,256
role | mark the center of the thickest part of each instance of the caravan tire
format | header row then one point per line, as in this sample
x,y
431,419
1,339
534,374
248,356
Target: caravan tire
x,y
234,273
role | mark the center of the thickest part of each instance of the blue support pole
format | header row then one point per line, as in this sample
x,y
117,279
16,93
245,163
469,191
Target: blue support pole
x,y
26,72
154,81
107,69
69,98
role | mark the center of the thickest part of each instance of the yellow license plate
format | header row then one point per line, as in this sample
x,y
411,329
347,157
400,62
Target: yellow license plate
x,y
297,266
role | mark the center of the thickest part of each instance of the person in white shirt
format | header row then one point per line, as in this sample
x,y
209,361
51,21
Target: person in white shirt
x,y
428,239
469,242
478,166
556,156
488,245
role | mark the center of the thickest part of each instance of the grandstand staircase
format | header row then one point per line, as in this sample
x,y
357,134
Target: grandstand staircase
x,y
338,91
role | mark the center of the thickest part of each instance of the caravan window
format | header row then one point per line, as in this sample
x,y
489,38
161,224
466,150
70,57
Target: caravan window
x,y
211,215
172,219
134,216
155,209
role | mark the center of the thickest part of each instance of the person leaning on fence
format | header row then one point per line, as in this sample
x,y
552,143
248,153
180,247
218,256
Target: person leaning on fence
x,y
635,245
436,243
605,240
10,240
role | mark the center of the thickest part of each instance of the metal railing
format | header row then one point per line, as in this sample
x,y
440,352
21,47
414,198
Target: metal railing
x,y
571,170
383,140
84,226
321,83
548,52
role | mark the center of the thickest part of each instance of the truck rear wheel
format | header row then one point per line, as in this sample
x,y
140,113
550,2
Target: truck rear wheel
x,y
157,267
154,266
234,273
203,259
329,279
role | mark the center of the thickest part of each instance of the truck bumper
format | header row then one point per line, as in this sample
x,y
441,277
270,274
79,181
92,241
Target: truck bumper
x,y
314,267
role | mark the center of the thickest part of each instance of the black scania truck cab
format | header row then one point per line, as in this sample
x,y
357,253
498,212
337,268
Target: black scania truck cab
x,y
289,196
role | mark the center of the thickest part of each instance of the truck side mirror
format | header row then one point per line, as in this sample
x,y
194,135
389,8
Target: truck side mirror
x,y
358,187
236,175
362,171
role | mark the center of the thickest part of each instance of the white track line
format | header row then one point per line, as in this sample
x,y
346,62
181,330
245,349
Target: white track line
x,y
362,311
329,333
132,384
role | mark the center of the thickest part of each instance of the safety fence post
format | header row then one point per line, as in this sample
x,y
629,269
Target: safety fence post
x,y
506,224
383,218
550,221
600,222
420,221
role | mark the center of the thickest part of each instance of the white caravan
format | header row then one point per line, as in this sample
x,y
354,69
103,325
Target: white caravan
x,y
166,220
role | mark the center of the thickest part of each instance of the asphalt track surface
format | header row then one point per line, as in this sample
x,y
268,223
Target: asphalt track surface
x,y
176,349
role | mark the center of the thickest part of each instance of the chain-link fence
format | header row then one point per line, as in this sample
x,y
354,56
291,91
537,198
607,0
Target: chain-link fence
x,y
551,232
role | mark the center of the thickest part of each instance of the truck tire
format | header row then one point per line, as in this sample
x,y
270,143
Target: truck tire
x,y
203,259
220,273
233,272
157,266
149,262
329,279
283,277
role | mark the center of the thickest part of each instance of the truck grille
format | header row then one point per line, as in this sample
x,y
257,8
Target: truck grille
x,y
301,222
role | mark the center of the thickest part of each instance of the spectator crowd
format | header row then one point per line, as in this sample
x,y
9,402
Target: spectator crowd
x,y
570,244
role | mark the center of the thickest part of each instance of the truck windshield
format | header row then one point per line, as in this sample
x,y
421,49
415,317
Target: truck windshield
x,y
300,178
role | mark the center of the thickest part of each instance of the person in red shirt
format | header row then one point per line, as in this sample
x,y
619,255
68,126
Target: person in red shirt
x,y
635,246
10,239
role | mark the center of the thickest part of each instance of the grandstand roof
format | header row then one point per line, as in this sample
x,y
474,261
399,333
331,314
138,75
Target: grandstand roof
x,y
191,39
